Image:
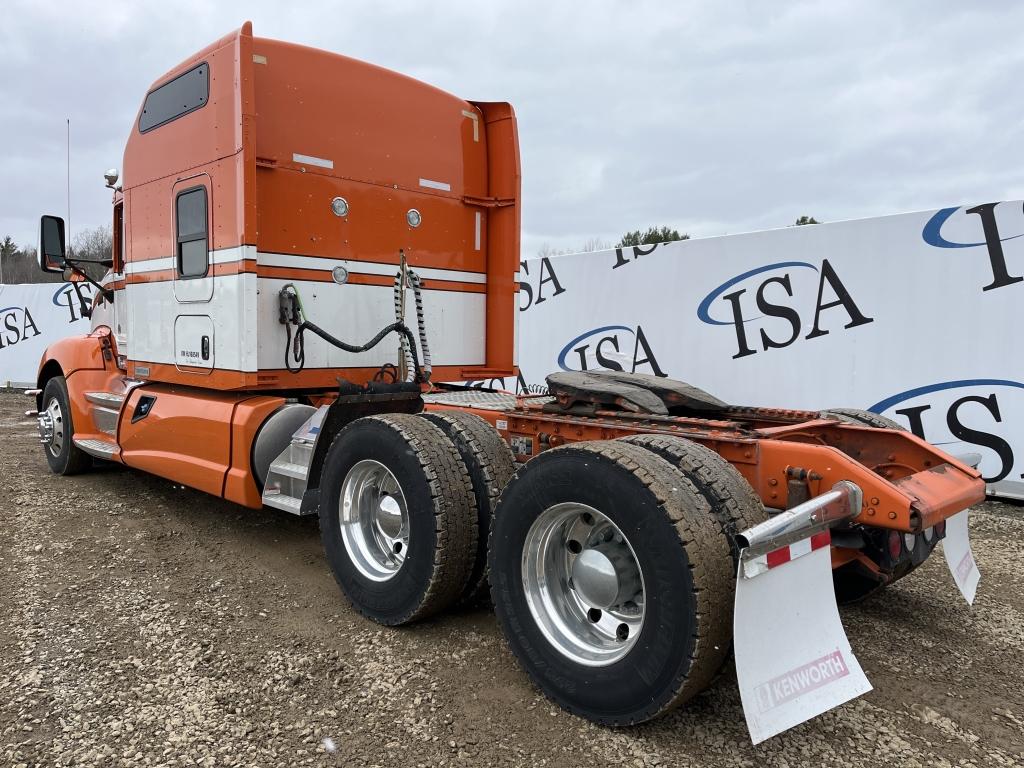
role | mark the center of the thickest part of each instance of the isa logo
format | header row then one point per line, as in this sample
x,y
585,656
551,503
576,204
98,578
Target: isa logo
x,y
993,229
968,415
610,348
16,325
66,297
766,307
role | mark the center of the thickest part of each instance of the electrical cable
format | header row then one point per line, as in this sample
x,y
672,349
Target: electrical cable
x,y
291,313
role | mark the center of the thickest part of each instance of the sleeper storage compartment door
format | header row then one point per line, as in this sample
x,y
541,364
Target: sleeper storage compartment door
x,y
183,434
193,343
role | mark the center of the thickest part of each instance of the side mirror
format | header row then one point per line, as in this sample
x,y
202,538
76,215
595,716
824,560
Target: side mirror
x,y
52,251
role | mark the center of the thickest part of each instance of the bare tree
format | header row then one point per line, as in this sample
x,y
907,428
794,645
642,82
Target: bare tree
x,y
19,265
595,244
94,245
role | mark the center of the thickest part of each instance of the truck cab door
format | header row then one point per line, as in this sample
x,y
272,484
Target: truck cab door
x,y
193,275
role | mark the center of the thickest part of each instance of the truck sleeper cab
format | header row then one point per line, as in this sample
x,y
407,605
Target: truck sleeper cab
x,y
304,245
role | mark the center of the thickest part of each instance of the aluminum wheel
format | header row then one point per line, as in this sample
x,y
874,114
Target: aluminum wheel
x,y
51,427
583,584
374,520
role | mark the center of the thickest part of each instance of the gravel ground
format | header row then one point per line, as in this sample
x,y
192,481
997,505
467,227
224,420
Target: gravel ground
x,y
142,623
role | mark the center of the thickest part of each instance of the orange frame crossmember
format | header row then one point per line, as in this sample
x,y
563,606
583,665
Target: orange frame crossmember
x,y
908,485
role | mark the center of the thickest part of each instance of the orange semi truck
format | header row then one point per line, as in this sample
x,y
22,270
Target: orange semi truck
x,y
282,214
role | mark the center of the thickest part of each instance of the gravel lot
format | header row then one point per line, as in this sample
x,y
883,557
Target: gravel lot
x,y
142,623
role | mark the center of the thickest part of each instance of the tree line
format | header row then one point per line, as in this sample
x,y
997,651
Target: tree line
x,y
650,236
18,264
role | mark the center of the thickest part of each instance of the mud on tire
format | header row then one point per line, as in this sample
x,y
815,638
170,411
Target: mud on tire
x,y
432,563
733,502
682,558
490,464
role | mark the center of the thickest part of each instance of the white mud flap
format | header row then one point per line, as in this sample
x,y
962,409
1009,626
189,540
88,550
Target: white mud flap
x,y
793,660
957,548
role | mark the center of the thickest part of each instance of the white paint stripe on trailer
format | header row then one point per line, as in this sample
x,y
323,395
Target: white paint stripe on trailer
x,y
364,267
313,160
220,256
149,265
476,123
444,186
231,255
476,230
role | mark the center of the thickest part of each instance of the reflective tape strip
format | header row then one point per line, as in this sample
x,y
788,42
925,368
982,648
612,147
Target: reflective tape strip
x,y
759,564
431,184
365,267
312,160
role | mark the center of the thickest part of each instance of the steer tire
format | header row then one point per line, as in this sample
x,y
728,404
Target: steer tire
x,y
682,557
440,512
733,502
70,459
491,465
861,418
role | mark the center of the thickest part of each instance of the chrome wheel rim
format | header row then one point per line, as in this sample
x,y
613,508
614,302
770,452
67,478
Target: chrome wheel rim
x,y
583,584
51,427
374,520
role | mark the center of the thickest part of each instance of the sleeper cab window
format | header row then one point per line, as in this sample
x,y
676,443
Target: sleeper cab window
x,y
175,98
192,237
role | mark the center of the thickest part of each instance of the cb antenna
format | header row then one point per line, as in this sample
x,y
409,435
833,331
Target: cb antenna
x,y
69,180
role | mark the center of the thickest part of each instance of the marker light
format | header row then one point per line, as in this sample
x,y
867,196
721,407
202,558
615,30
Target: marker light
x,y
895,545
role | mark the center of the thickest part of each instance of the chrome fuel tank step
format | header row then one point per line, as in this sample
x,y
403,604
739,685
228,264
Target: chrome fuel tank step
x,y
287,475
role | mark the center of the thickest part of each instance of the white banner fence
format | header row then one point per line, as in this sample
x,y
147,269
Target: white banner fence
x,y
31,317
913,316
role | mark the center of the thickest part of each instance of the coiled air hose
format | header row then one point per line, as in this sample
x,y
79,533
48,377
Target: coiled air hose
x,y
291,313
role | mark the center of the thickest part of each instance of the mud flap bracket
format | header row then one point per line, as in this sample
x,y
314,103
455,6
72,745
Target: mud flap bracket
x,y
793,659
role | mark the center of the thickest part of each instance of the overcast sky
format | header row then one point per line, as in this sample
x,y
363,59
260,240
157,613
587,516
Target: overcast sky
x,y
710,117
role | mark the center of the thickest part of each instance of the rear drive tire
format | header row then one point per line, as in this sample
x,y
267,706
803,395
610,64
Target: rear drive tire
x,y
397,517
618,651
491,465
733,502
63,456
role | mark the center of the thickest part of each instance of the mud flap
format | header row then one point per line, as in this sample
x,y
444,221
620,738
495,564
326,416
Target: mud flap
x,y
956,546
793,660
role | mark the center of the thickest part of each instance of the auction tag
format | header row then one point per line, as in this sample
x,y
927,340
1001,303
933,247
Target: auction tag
x,y
957,548
793,660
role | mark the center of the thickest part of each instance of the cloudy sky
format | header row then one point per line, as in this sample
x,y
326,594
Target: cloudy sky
x,y
710,117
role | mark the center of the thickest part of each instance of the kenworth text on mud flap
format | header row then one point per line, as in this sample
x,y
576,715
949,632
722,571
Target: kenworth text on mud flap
x,y
304,244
